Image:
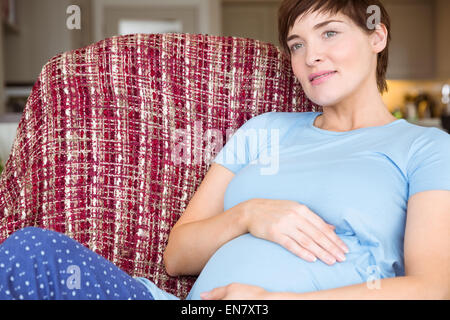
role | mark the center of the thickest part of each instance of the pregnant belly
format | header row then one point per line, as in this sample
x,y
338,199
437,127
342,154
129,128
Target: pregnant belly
x,y
250,260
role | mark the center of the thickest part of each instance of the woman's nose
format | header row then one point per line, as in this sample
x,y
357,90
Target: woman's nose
x,y
313,55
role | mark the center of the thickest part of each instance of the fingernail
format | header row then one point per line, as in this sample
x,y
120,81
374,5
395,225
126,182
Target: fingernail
x,y
330,260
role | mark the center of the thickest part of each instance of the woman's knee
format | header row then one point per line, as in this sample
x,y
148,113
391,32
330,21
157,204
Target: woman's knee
x,y
27,238
26,230
34,233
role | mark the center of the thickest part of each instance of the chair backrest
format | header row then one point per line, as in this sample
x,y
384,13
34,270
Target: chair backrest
x,y
95,154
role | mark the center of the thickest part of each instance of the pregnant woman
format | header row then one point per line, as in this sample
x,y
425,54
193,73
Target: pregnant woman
x,y
348,203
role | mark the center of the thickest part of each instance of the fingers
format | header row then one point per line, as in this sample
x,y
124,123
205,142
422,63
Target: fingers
x,y
336,240
214,294
327,249
323,227
318,245
296,249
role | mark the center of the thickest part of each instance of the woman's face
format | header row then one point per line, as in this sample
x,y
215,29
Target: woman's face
x,y
341,47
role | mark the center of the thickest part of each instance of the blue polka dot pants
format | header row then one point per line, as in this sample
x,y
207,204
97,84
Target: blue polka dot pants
x,y
42,264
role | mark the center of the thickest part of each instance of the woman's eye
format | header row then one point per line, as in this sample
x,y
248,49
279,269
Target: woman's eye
x,y
293,48
329,34
332,32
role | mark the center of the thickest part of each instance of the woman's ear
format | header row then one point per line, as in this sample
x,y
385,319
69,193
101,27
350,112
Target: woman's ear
x,y
378,39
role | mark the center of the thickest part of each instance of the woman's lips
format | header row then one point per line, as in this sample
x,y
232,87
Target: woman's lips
x,y
322,79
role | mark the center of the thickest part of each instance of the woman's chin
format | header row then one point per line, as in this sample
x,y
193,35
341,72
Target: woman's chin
x,y
323,101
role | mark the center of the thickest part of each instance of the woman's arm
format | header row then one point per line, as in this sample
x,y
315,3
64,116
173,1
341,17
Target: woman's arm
x,y
204,226
192,244
399,288
403,288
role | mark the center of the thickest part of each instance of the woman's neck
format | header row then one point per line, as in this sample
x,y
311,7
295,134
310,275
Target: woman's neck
x,y
362,108
336,120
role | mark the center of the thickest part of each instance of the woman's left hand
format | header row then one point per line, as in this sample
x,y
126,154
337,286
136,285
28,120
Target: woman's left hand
x,y
236,291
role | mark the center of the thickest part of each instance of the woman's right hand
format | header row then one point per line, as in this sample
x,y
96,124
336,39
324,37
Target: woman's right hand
x,y
295,227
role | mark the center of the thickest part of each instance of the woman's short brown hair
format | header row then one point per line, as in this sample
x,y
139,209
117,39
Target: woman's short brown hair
x,y
356,10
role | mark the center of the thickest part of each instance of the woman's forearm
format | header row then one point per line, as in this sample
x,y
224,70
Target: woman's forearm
x,y
399,288
192,244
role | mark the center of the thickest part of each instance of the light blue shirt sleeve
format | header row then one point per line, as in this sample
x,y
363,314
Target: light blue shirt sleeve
x,y
242,147
429,163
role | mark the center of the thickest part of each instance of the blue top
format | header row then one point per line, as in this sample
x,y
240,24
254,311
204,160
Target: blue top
x,y
358,180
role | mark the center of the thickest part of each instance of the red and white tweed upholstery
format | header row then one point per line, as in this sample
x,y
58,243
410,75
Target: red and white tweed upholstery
x,y
94,152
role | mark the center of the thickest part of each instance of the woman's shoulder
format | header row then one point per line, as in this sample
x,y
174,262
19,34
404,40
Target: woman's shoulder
x,y
428,145
425,135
